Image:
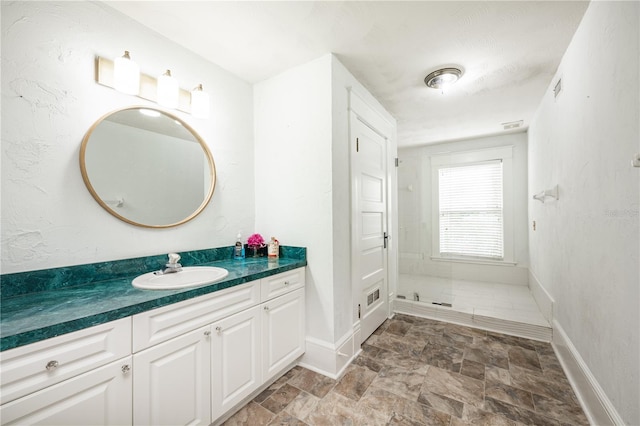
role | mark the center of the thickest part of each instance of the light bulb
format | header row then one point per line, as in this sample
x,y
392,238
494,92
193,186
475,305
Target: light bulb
x,y
199,102
168,90
126,75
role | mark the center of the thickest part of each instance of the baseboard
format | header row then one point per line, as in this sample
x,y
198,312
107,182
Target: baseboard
x,y
329,359
542,297
442,313
595,403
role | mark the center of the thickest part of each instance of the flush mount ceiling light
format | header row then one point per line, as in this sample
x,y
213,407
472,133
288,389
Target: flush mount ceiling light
x,y
443,78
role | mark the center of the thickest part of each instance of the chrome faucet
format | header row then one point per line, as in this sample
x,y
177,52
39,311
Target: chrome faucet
x,y
172,266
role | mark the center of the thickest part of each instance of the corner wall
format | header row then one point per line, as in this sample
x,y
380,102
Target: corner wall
x,y
49,101
585,251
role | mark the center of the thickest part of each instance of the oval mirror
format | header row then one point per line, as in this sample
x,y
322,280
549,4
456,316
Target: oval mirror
x,y
147,167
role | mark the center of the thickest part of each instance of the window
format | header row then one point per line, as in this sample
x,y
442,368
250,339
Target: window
x,y
470,210
472,206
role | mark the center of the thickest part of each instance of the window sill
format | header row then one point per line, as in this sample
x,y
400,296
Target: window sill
x,y
473,261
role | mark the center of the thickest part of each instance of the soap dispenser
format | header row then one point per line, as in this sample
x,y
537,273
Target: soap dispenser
x,y
238,249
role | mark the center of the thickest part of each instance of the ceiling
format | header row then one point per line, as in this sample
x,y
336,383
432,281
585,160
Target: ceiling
x,y
509,51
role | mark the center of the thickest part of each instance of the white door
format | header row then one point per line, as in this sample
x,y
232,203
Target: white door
x,y
100,397
369,227
172,381
282,332
235,359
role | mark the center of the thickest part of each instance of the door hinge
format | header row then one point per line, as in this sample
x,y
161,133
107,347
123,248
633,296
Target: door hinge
x,y
386,238
397,162
357,145
359,311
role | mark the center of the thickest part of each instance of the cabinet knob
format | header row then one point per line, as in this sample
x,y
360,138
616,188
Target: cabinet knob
x,y
52,365
125,368
207,333
219,329
266,308
286,283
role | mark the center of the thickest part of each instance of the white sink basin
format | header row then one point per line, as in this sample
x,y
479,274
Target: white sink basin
x,y
190,276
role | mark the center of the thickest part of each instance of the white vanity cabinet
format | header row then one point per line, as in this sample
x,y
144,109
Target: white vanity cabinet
x,y
186,363
235,359
283,332
253,331
100,397
283,320
172,381
78,378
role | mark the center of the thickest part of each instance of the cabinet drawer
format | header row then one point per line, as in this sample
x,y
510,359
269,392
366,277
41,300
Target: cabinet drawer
x,y
33,367
159,325
279,284
98,397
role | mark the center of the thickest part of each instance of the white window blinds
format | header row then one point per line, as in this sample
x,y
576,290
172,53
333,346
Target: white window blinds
x,y
471,210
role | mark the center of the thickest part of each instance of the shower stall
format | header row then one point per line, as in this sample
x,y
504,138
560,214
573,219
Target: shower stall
x,y
463,236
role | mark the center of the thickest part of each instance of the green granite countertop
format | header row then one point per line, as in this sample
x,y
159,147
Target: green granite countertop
x,y
54,310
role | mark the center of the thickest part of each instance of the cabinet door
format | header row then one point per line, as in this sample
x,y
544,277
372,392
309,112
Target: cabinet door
x,y
282,332
99,397
235,355
172,382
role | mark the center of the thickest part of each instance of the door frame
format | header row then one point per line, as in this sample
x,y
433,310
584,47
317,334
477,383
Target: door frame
x,y
368,113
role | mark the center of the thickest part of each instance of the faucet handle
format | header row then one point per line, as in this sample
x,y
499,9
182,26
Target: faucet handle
x,y
174,258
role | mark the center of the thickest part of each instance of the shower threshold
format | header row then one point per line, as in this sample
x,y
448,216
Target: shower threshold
x,y
502,308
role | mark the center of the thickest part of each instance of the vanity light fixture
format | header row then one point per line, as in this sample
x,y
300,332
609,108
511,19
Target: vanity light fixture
x,y
126,75
199,102
168,90
443,78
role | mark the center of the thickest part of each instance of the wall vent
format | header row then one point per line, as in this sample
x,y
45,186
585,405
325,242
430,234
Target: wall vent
x,y
512,125
373,296
557,88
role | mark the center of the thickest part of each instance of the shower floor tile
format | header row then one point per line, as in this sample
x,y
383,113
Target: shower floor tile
x,y
500,301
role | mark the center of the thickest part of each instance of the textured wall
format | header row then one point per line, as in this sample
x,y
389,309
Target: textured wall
x,y
49,101
585,251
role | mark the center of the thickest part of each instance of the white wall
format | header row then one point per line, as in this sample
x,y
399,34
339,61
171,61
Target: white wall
x,y
49,101
303,184
293,177
585,251
415,212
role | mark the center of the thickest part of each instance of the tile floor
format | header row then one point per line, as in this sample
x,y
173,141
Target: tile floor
x,y
501,301
415,371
